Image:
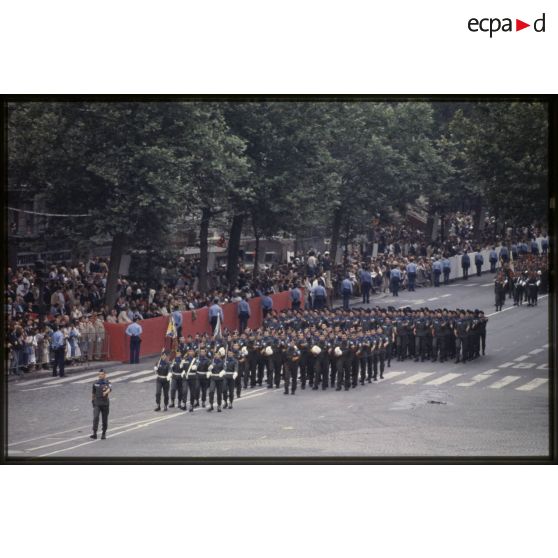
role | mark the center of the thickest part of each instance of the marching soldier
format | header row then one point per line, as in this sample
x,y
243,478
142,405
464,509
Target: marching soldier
x,y
533,284
190,379
176,386
383,344
420,331
291,367
215,374
100,402
460,329
202,368
162,371
231,375
243,370
500,291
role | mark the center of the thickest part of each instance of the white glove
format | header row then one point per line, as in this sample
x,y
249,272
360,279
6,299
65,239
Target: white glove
x,y
169,376
210,367
183,374
235,375
154,369
208,374
194,368
221,374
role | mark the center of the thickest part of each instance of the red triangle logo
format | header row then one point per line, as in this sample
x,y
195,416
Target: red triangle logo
x,y
519,25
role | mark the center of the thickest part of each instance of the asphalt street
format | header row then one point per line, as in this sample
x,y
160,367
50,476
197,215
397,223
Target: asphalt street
x,y
497,405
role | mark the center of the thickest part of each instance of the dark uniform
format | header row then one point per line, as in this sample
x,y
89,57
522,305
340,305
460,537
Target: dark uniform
x,y
162,383
216,373
176,386
190,379
100,401
231,375
291,367
204,362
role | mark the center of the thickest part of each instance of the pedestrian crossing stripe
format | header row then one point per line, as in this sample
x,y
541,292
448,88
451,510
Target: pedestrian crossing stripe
x,y
479,378
415,378
443,379
533,384
536,351
393,374
109,376
135,375
522,357
506,380
143,380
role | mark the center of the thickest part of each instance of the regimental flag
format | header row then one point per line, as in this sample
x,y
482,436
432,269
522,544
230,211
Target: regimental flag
x,y
217,332
171,328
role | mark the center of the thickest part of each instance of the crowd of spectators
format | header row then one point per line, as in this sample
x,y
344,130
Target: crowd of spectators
x,y
74,294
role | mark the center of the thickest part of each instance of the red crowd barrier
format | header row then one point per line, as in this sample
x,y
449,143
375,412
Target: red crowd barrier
x,y
193,322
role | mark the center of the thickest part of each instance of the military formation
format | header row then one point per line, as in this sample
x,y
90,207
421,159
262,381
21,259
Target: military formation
x,y
318,349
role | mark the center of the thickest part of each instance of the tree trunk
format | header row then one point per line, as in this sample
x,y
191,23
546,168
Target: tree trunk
x,y
256,254
234,247
116,251
204,234
335,231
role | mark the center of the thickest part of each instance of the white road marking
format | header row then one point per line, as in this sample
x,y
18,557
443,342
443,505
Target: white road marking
x,y
504,310
50,378
505,365
443,379
504,382
546,346
524,365
520,358
42,387
435,298
419,301
135,375
148,379
109,376
472,285
487,284
542,367
444,295
393,374
536,351
533,384
414,378
479,378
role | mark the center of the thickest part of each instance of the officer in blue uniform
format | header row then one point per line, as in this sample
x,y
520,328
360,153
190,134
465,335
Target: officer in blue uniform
x,y
411,275
493,259
319,296
437,271
544,244
504,254
346,292
465,264
243,314
134,331
479,261
267,305
100,402
395,279
446,268
215,312
295,295
365,285
58,344
534,247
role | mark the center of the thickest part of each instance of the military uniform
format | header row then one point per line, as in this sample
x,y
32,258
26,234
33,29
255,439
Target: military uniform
x,y
100,401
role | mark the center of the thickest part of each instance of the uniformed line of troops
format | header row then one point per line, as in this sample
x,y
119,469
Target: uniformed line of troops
x,y
520,286
318,348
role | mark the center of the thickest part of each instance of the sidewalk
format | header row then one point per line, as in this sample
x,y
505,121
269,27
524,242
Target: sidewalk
x,y
36,374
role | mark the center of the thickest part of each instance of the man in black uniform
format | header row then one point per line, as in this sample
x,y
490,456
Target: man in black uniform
x,y
215,374
190,380
483,322
420,331
100,402
291,367
231,374
500,291
176,387
461,329
163,380
202,368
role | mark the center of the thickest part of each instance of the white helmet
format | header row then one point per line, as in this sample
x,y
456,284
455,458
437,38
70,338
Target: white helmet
x,y
338,352
316,350
268,351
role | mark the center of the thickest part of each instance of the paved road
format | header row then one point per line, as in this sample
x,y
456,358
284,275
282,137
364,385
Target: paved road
x,y
494,406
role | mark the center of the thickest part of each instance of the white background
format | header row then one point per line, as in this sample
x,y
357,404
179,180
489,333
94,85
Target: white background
x,y
276,47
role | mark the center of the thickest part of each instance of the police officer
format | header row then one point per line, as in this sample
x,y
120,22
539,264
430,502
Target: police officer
x,y
411,274
215,314
465,264
383,344
395,279
177,319
533,284
479,261
162,371
365,285
420,331
295,296
100,401
319,296
243,313
493,259
461,329
58,344
437,271
267,305
190,380
134,331
544,244
346,291
483,323
446,268
202,368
